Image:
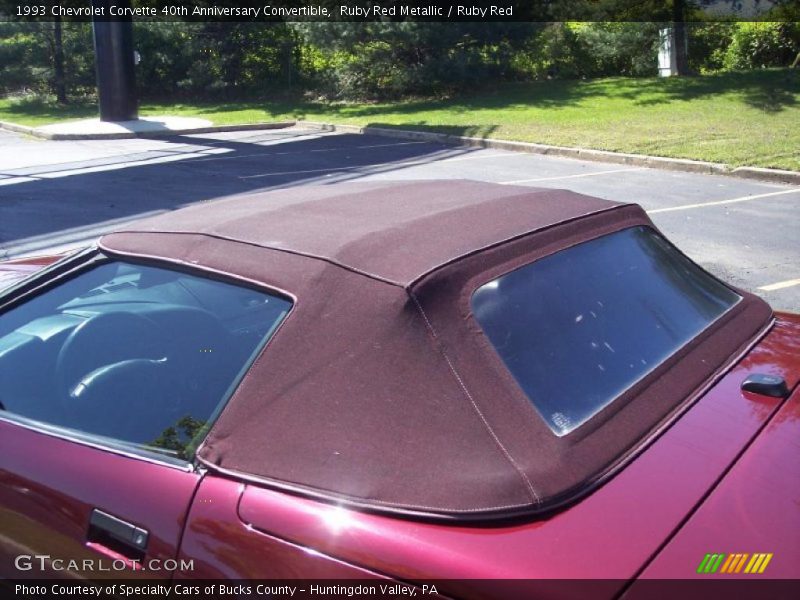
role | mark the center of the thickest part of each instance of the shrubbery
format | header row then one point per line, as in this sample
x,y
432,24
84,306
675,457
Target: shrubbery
x,y
375,60
755,45
388,60
194,59
26,57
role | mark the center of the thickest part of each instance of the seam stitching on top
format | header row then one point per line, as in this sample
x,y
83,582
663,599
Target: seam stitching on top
x,y
311,255
517,236
466,391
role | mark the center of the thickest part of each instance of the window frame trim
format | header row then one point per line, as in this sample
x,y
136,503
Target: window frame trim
x,y
666,359
96,442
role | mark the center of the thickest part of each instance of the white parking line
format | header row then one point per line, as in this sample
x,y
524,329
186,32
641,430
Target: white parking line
x,y
13,180
74,236
408,163
54,171
721,202
268,154
628,170
780,285
122,165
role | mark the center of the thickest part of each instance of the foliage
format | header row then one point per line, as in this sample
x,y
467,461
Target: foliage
x,y
609,49
26,57
177,438
214,59
755,45
373,60
558,51
389,60
23,58
193,59
569,50
708,43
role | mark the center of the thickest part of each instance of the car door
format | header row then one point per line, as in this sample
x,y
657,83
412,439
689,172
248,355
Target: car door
x,y
72,509
110,374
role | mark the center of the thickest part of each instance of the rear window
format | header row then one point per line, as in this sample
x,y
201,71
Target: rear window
x,y
138,355
578,328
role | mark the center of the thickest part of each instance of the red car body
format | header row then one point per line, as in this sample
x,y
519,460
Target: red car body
x,y
724,478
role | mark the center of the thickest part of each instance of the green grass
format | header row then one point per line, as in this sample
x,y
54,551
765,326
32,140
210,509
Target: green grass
x,y
750,118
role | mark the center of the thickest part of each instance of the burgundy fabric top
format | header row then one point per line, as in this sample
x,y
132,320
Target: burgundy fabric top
x,y
379,390
391,231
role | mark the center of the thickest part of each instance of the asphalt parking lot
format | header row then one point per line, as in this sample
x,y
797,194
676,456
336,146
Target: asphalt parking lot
x,y
55,195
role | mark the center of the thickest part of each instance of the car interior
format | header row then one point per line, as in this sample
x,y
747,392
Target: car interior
x,y
137,353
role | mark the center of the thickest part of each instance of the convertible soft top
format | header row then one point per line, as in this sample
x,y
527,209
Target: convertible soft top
x,y
380,390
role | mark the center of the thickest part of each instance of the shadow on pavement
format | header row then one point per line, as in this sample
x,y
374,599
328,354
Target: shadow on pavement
x,y
67,204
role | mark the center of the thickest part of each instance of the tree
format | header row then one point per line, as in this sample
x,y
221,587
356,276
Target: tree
x,y
59,82
392,59
679,25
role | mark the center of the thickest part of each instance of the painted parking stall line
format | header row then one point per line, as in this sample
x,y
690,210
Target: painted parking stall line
x,y
15,180
575,176
723,202
316,151
409,163
153,157
780,285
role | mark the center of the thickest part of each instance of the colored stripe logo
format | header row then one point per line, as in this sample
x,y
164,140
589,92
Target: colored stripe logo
x,y
751,564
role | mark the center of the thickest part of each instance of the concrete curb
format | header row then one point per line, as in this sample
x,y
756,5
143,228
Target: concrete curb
x,y
639,160
35,132
18,128
770,175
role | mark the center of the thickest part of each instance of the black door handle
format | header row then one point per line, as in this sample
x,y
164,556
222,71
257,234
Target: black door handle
x,y
103,526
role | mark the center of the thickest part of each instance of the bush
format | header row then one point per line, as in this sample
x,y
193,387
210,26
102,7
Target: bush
x,y
390,60
569,50
708,44
79,68
26,58
612,49
166,56
558,51
374,60
755,45
211,60
382,61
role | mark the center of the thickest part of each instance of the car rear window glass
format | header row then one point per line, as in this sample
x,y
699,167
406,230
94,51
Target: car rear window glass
x,y
141,355
578,328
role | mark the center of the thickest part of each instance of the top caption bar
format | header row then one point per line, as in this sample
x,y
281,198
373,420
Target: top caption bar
x,y
402,10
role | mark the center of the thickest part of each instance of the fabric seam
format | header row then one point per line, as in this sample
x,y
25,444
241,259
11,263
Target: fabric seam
x,y
332,261
475,406
514,238
234,240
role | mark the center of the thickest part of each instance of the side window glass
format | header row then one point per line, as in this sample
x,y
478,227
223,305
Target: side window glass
x,y
142,355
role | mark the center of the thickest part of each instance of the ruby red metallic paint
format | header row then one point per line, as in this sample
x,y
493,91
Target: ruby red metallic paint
x,y
755,506
611,534
45,501
222,546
